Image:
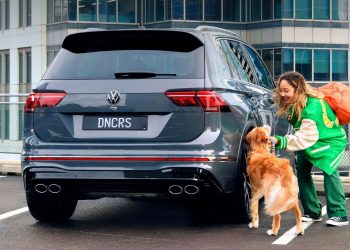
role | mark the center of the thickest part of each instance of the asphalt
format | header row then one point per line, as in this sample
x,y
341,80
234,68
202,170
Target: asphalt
x,y
13,167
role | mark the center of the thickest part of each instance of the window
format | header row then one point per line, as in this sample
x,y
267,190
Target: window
x,y
236,59
267,9
213,10
126,11
87,10
340,65
277,63
264,77
29,13
255,10
149,10
322,65
160,10
178,10
278,9
321,9
231,10
0,15
194,10
7,14
287,60
57,11
287,7
303,63
107,11
4,71
303,9
340,9
267,56
25,70
72,10
25,13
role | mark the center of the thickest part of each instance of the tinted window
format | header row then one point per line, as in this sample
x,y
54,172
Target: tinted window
x,y
264,77
103,64
236,59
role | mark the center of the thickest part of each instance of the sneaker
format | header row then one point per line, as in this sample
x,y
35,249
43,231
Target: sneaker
x,y
308,218
338,221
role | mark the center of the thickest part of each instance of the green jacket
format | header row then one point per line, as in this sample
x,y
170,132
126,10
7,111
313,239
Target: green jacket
x,y
328,145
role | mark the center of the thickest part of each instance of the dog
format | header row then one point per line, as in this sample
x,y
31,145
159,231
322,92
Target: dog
x,y
272,178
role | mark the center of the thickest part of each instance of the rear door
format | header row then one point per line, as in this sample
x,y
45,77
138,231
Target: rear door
x,y
115,85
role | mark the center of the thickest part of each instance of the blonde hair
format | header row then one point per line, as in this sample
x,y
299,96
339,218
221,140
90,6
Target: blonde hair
x,y
301,91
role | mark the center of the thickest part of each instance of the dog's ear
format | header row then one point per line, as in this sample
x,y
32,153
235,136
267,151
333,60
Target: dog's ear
x,y
262,136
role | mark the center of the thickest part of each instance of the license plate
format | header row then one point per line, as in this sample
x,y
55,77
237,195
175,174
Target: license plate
x,y
115,123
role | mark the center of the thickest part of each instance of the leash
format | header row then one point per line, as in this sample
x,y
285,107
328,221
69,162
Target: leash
x,y
272,146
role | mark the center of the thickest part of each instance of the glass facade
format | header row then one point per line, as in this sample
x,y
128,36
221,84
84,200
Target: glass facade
x,y
255,10
212,10
194,9
231,10
303,9
321,65
303,63
340,9
340,65
287,7
321,9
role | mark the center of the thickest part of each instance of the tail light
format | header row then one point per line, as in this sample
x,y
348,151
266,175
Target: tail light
x,y
210,101
42,100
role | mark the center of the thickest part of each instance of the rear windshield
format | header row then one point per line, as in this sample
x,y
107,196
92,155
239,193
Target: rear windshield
x,y
98,56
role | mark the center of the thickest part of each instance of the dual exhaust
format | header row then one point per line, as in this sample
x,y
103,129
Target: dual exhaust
x,y
189,189
52,188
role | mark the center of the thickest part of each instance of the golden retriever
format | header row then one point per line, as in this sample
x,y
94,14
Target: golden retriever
x,y
272,178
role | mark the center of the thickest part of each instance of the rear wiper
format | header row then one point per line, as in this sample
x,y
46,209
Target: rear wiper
x,y
138,75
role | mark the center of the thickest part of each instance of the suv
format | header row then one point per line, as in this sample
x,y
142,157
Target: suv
x,y
144,112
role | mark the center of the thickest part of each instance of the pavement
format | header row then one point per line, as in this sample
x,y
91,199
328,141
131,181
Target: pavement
x,y
12,166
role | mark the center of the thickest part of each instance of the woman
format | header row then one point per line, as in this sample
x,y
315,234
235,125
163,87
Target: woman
x,y
319,141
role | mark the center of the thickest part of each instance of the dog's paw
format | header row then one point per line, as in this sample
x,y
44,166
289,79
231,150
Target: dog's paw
x,y
269,232
253,225
300,233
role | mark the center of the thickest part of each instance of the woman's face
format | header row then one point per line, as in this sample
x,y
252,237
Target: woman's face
x,y
286,91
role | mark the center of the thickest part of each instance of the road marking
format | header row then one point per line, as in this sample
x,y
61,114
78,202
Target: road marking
x,y
2,176
291,233
13,213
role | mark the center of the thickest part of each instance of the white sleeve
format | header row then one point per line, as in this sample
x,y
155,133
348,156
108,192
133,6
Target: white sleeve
x,y
305,137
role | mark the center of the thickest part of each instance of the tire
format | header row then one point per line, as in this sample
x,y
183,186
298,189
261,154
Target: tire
x,y
51,207
243,190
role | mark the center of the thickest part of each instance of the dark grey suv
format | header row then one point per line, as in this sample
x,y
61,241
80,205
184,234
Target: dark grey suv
x,y
144,113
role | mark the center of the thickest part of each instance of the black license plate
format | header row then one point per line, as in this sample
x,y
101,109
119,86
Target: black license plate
x,y
114,123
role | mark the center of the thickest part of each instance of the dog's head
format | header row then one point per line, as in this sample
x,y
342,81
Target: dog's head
x,y
258,137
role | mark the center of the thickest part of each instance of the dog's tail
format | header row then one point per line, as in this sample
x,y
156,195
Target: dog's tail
x,y
280,199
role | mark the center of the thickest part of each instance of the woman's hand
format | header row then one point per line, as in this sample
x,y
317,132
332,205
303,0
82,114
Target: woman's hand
x,y
273,140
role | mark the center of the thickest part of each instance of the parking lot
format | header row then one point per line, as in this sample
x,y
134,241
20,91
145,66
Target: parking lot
x,y
149,224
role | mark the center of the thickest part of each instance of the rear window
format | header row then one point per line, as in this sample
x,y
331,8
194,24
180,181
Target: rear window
x,y
101,55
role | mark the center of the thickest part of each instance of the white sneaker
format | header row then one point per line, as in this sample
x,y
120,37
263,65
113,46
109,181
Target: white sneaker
x,y
307,218
338,221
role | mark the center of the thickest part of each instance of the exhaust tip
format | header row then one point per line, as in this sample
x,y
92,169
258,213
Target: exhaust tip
x,y
41,188
191,189
54,188
175,189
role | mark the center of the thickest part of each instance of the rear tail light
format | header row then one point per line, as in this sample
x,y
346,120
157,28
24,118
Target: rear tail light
x,y
42,100
210,101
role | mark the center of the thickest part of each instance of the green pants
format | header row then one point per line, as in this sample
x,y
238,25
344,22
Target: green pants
x,y
335,196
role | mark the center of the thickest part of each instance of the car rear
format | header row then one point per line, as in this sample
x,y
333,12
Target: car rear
x,y
127,113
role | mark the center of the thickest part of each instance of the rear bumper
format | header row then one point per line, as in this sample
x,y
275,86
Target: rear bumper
x,y
132,179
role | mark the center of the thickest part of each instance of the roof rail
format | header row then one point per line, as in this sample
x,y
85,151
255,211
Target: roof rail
x,y
213,28
92,29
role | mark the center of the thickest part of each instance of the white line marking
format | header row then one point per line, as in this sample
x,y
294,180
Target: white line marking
x,y
291,233
2,176
13,213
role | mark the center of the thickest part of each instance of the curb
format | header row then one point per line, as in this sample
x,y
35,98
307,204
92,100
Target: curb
x,y
13,167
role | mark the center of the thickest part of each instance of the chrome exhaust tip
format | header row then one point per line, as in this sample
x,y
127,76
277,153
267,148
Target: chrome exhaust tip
x,y
175,189
191,189
41,188
54,188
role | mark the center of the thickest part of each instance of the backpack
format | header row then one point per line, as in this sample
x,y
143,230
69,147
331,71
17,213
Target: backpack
x,y
337,95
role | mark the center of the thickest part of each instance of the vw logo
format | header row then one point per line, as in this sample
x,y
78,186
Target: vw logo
x,y
113,97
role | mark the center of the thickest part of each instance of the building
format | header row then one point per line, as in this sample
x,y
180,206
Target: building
x,y
310,36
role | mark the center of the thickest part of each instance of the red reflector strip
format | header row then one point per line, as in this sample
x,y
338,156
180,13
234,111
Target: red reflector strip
x,y
64,158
